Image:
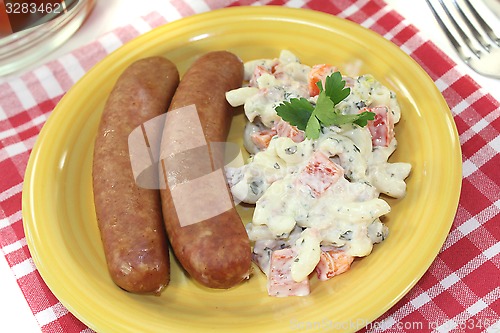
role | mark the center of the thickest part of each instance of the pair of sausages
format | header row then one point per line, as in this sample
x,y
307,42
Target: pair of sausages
x,y
136,223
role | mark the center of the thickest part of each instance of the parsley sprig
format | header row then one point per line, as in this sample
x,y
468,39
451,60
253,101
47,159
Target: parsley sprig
x,y
309,118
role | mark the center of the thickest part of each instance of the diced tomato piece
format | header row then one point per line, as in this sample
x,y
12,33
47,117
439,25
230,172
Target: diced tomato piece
x,y
284,129
273,67
262,138
333,263
318,73
280,282
320,173
382,127
257,72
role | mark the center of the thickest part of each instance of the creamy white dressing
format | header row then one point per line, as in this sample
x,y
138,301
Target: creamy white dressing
x,y
302,209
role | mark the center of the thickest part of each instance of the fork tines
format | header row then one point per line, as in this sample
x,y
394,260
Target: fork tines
x,y
476,27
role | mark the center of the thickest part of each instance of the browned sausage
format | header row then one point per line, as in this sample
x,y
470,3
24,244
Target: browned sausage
x,y
214,250
129,217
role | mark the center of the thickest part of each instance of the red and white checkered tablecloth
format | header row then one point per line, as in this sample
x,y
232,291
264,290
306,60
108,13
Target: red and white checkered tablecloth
x,y
461,290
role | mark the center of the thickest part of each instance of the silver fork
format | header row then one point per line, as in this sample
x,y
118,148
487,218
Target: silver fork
x,y
483,45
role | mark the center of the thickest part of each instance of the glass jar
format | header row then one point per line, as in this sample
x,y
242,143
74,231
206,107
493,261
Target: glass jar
x,y
30,30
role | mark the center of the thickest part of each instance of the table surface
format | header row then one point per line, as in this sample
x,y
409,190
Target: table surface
x,y
109,14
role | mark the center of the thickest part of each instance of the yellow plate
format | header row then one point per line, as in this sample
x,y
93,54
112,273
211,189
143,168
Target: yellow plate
x,y
59,215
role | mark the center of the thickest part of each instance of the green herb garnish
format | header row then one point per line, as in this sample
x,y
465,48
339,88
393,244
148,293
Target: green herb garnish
x,y
309,118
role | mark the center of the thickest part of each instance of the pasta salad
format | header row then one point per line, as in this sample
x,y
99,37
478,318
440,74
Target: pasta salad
x,y
319,145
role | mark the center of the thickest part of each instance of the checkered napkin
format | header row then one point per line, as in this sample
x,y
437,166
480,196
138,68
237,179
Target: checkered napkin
x,y
461,290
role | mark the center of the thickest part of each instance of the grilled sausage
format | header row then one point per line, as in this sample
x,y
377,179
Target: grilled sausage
x,y
203,226
129,217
